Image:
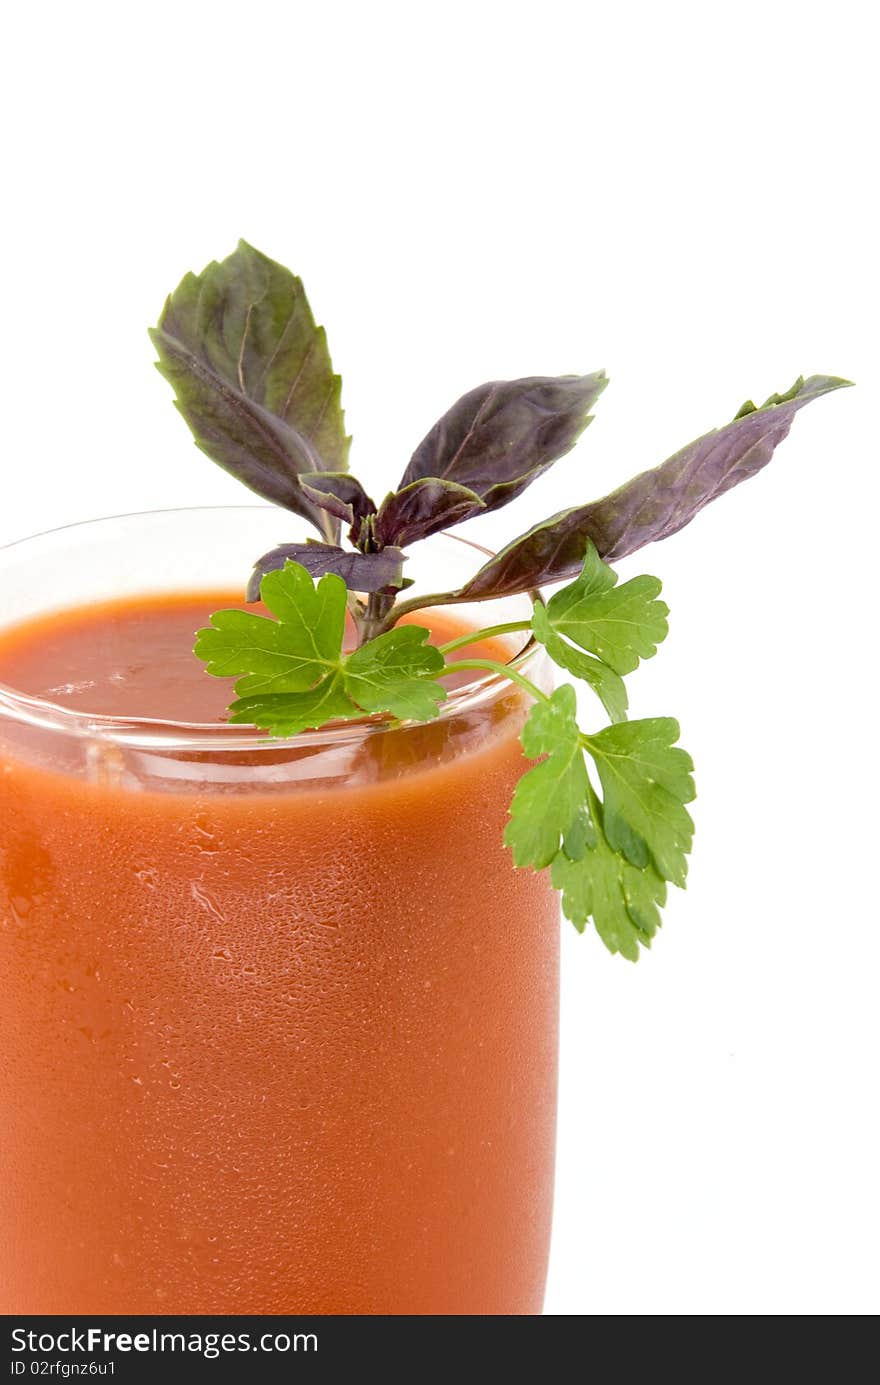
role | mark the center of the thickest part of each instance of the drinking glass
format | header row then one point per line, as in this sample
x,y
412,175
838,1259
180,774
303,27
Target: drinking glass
x,y
278,1030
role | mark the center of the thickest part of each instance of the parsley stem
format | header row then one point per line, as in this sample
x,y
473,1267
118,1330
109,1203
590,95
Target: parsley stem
x,y
503,670
490,633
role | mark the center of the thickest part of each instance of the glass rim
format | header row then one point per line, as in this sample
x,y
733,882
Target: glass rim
x,y
154,733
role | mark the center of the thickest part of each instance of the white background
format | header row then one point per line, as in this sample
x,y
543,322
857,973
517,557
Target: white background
x,y
682,195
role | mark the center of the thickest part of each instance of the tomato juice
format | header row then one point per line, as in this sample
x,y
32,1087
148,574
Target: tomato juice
x,y
278,1022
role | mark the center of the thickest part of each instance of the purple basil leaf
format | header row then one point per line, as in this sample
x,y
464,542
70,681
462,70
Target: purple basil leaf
x,y
253,377
651,506
423,507
339,493
361,572
500,437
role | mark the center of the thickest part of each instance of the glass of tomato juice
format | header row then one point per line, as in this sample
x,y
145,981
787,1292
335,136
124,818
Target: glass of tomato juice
x,y
278,1019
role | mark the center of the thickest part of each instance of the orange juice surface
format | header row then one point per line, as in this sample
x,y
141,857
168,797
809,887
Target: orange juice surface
x,y
278,1037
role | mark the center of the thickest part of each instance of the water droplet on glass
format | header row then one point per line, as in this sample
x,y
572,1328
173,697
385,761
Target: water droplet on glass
x,y
21,906
206,902
203,837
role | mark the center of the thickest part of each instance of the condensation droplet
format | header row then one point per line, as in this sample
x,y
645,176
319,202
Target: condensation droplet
x,y
203,838
21,906
206,902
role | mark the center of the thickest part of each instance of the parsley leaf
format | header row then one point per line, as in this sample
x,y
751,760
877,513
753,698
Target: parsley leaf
x,y
395,673
295,676
623,901
608,686
289,654
646,781
549,798
286,714
580,835
620,625
598,631
610,859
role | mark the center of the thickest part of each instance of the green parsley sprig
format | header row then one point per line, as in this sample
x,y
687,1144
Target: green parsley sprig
x,y
609,855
